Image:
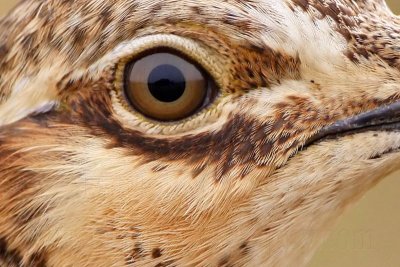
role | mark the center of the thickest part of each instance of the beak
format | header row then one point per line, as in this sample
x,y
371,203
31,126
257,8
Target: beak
x,y
386,118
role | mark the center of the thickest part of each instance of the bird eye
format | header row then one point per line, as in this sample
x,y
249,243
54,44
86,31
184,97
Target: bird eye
x,y
167,87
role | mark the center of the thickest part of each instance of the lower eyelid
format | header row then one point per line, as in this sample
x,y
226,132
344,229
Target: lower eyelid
x,y
135,121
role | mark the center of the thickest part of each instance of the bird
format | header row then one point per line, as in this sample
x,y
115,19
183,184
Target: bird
x,y
191,133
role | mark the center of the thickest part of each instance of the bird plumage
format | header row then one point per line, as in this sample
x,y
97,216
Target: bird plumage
x,y
85,180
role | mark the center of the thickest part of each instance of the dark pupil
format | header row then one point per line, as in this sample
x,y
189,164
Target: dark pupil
x,y
166,83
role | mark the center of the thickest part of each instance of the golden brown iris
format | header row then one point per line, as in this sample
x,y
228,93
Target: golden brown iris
x,y
167,87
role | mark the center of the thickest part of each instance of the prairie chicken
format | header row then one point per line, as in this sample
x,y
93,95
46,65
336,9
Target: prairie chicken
x,y
190,133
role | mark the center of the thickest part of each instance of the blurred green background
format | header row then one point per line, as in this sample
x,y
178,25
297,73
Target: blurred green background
x,y
369,234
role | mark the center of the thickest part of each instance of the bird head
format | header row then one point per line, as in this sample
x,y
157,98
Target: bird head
x,y
104,161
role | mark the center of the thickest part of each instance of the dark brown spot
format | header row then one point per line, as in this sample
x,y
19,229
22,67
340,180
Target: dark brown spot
x,y
224,262
156,253
165,264
3,51
9,256
304,4
267,230
198,170
38,259
244,248
159,168
197,10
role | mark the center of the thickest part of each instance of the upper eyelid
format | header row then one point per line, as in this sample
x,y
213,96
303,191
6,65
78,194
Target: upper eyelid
x,y
127,50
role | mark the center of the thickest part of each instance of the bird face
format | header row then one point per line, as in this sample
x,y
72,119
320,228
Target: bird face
x,y
183,133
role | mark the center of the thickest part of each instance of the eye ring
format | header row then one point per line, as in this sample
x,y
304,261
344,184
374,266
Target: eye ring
x,y
165,85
